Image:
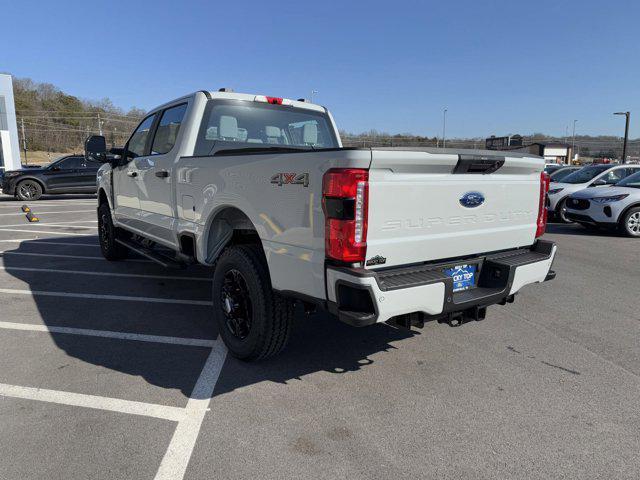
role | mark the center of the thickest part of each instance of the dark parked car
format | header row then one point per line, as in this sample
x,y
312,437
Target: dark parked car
x,y
71,174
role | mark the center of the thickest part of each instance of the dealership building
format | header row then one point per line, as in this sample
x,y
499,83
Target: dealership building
x,y
9,145
553,152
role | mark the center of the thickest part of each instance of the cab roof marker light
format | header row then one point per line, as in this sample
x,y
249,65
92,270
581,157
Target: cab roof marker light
x,y
272,100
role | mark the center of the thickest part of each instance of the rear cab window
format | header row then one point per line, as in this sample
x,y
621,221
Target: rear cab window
x,y
233,124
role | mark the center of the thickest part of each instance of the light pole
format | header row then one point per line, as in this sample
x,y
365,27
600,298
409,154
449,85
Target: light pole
x,y
626,134
444,127
313,92
573,142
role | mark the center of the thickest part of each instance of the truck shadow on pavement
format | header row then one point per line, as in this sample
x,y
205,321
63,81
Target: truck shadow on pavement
x,y
318,342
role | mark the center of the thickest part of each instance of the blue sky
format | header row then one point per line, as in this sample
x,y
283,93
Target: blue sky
x,y
499,67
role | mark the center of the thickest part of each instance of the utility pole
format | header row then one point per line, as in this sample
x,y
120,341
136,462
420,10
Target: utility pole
x,y
444,127
573,142
99,125
24,142
626,134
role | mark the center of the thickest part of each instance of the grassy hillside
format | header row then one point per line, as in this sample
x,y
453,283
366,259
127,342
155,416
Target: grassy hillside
x,y
57,122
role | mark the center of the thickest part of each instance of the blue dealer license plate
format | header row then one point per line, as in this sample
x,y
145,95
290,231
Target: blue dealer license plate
x,y
464,276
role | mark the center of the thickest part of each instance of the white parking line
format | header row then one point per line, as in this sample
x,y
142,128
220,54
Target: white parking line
x,y
103,274
18,205
52,224
164,412
12,291
31,241
176,458
137,337
73,234
62,255
42,213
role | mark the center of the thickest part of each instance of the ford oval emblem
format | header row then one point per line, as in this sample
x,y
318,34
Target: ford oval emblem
x,y
472,199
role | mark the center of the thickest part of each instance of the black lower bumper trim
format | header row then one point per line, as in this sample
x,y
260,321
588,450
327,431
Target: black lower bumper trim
x,y
495,279
580,218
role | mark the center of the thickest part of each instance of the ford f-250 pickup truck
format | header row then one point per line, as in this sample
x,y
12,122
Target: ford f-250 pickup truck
x,y
261,189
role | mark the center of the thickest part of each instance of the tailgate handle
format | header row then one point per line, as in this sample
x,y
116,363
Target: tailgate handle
x,y
478,164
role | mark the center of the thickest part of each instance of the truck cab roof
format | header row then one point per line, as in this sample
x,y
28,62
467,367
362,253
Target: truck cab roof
x,y
248,97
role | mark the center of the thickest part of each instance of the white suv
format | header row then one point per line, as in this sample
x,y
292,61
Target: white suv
x,y
591,176
617,206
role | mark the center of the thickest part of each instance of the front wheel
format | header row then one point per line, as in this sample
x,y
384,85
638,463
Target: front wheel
x,y
630,224
253,320
561,212
108,232
28,190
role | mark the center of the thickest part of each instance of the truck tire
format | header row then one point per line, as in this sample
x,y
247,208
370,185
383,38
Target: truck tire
x,y
28,190
630,222
107,234
253,320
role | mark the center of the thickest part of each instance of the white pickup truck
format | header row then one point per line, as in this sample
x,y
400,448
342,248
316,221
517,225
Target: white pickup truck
x,y
261,189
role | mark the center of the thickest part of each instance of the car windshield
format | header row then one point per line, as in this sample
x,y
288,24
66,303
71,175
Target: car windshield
x,y
562,174
586,174
261,126
632,181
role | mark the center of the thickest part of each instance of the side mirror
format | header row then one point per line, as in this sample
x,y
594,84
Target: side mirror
x,y
117,151
95,149
599,183
116,155
55,168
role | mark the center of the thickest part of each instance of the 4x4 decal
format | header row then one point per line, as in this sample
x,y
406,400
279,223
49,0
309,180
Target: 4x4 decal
x,y
281,179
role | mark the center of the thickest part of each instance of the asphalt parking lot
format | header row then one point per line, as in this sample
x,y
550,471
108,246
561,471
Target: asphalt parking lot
x,y
115,371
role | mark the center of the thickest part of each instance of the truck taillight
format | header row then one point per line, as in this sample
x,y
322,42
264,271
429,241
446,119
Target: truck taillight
x,y
345,193
541,224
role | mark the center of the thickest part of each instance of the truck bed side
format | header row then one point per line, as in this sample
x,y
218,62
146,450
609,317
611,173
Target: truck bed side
x,y
280,194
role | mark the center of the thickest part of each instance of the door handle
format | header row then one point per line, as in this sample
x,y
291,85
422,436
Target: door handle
x,y
162,174
132,173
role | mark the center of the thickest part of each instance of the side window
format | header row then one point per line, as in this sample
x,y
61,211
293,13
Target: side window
x,y
168,129
614,176
138,141
70,163
630,171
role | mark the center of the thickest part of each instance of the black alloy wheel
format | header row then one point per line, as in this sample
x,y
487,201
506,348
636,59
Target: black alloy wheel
x,y
236,305
28,190
253,320
107,234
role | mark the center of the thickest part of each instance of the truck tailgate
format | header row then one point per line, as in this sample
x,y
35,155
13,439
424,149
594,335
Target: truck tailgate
x,y
430,206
